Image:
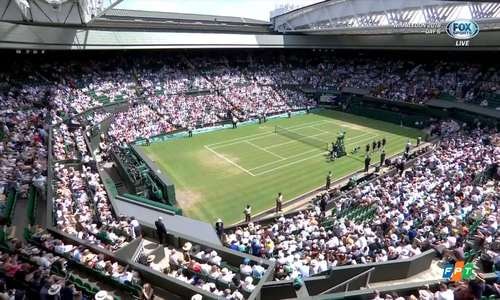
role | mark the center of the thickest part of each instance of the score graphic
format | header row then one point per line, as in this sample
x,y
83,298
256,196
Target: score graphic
x,y
458,271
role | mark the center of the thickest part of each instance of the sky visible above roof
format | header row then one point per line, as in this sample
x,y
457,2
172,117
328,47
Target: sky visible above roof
x,y
254,9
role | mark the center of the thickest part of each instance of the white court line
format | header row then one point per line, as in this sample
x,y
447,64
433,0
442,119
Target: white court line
x,y
321,130
290,142
277,161
289,164
309,151
265,150
260,135
301,160
314,135
228,160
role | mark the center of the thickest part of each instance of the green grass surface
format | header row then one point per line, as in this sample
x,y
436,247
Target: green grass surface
x,y
216,174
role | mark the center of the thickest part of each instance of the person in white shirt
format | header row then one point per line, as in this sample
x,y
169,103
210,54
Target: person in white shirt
x,y
444,293
247,285
245,267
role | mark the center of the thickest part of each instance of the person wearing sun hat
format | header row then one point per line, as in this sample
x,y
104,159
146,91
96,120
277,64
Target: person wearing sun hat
x,y
186,251
150,258
197,297
187,247
247,285
103,295
226,276
54,291
215,258
245,267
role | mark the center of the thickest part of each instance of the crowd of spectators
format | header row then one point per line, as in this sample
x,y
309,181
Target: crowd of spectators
x,y
43,268
204,268
186,91
473,289
23,278
82,208
435,204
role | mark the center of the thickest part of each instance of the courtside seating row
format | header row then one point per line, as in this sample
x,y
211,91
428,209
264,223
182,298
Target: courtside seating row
x,y
357,214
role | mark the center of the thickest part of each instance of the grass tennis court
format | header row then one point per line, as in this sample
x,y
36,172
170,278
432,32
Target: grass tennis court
x,y
217,173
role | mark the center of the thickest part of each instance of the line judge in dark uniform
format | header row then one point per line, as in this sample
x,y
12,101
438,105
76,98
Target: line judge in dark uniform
x,y
382,158
328,181
161,230
219,228
367,162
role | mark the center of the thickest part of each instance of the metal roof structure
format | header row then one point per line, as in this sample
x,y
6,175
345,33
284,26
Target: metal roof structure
x,y
335,15
71,12
148,15
167,21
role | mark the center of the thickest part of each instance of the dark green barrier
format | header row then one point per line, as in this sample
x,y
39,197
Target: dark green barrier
x,y
11,204
471,118
417,121
171,208
32,205
165,184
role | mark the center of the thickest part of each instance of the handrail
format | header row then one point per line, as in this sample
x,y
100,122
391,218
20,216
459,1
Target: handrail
x,y
348,281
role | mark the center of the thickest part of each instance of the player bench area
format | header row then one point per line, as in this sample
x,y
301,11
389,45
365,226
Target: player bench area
x,y
269,151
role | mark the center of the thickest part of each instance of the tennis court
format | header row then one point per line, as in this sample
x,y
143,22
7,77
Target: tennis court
x,y
217,173
268,152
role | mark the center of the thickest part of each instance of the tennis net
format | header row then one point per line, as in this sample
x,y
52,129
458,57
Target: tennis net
x,y
309,140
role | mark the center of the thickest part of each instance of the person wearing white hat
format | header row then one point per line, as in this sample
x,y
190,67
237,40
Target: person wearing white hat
x,y
187,247
103,295
215,258
226,276
245,267
150,258
247,285
54,291
197,297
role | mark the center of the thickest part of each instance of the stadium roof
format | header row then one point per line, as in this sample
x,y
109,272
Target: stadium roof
x,y
336,15
178,22
76,12
141,14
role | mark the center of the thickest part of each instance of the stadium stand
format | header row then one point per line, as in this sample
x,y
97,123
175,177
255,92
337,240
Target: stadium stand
x,y
395,217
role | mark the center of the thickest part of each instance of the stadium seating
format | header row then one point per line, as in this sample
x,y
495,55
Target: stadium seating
x,y
46,123
375,226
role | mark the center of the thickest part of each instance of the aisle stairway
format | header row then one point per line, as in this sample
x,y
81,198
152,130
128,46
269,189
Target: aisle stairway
x,y
19,217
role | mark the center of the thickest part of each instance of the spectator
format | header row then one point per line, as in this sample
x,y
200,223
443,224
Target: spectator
x,y
219,228
147,292
161,230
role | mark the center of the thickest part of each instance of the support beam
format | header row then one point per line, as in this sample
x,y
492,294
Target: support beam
x,y
373,13
48,12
